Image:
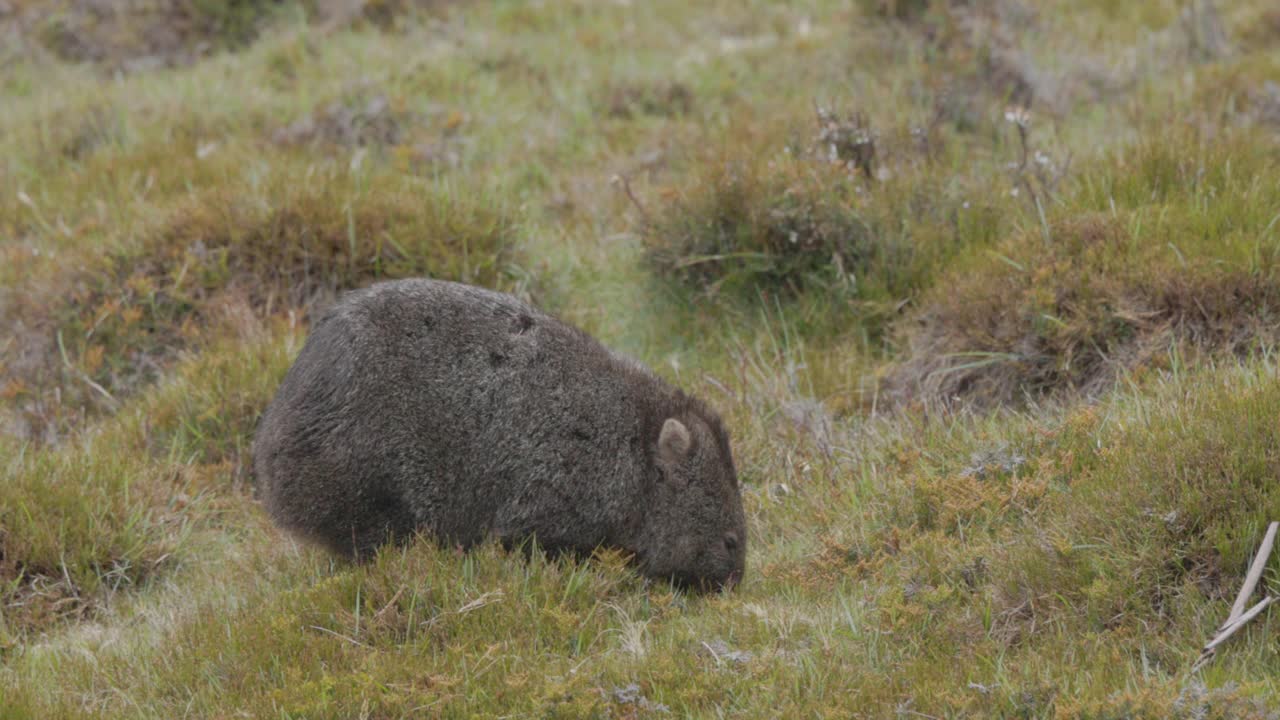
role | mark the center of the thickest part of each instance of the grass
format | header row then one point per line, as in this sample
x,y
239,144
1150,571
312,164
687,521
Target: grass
x,y
1000,381
812,219
297,239
1172,244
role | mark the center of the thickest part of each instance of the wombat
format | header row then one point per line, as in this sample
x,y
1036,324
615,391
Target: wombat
x,y
465,414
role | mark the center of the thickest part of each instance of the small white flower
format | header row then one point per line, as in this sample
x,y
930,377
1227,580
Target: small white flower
x,y
357,159
1019,116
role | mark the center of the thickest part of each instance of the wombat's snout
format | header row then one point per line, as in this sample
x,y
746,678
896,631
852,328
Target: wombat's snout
x,y
710,585
732,581
731,544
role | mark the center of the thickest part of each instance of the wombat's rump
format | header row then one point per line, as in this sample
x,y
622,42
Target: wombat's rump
x,y
422,405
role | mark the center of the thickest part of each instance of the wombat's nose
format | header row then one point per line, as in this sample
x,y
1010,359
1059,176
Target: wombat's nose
x,y
731,542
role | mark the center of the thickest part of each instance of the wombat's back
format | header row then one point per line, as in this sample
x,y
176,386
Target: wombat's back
x,y
443,407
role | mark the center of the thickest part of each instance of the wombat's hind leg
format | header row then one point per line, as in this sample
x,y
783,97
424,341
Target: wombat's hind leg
x,y
375,520
363,546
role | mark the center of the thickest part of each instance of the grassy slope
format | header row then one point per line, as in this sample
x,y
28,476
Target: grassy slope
x,y
164,235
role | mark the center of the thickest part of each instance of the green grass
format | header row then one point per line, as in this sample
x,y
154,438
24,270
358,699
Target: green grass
x,y
1172,242
1002,394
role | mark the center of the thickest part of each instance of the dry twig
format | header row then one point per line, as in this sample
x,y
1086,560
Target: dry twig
x,y
1239,616
625,183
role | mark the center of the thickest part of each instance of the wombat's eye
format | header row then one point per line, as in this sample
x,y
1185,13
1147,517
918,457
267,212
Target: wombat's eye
x,y
730,542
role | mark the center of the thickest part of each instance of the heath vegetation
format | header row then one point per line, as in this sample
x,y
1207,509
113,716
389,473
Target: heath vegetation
x,y
987,295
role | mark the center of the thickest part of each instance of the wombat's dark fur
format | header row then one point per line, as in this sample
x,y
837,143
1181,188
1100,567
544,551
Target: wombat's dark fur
x,y
421,405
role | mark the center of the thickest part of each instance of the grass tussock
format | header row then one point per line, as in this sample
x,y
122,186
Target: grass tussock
x,y
1128,525
280,248
85,522
833,217
366,632
77,527
141,35
1175,249
745,226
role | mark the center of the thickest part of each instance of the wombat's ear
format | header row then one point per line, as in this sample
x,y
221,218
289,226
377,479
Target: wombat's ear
x,y
674,442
